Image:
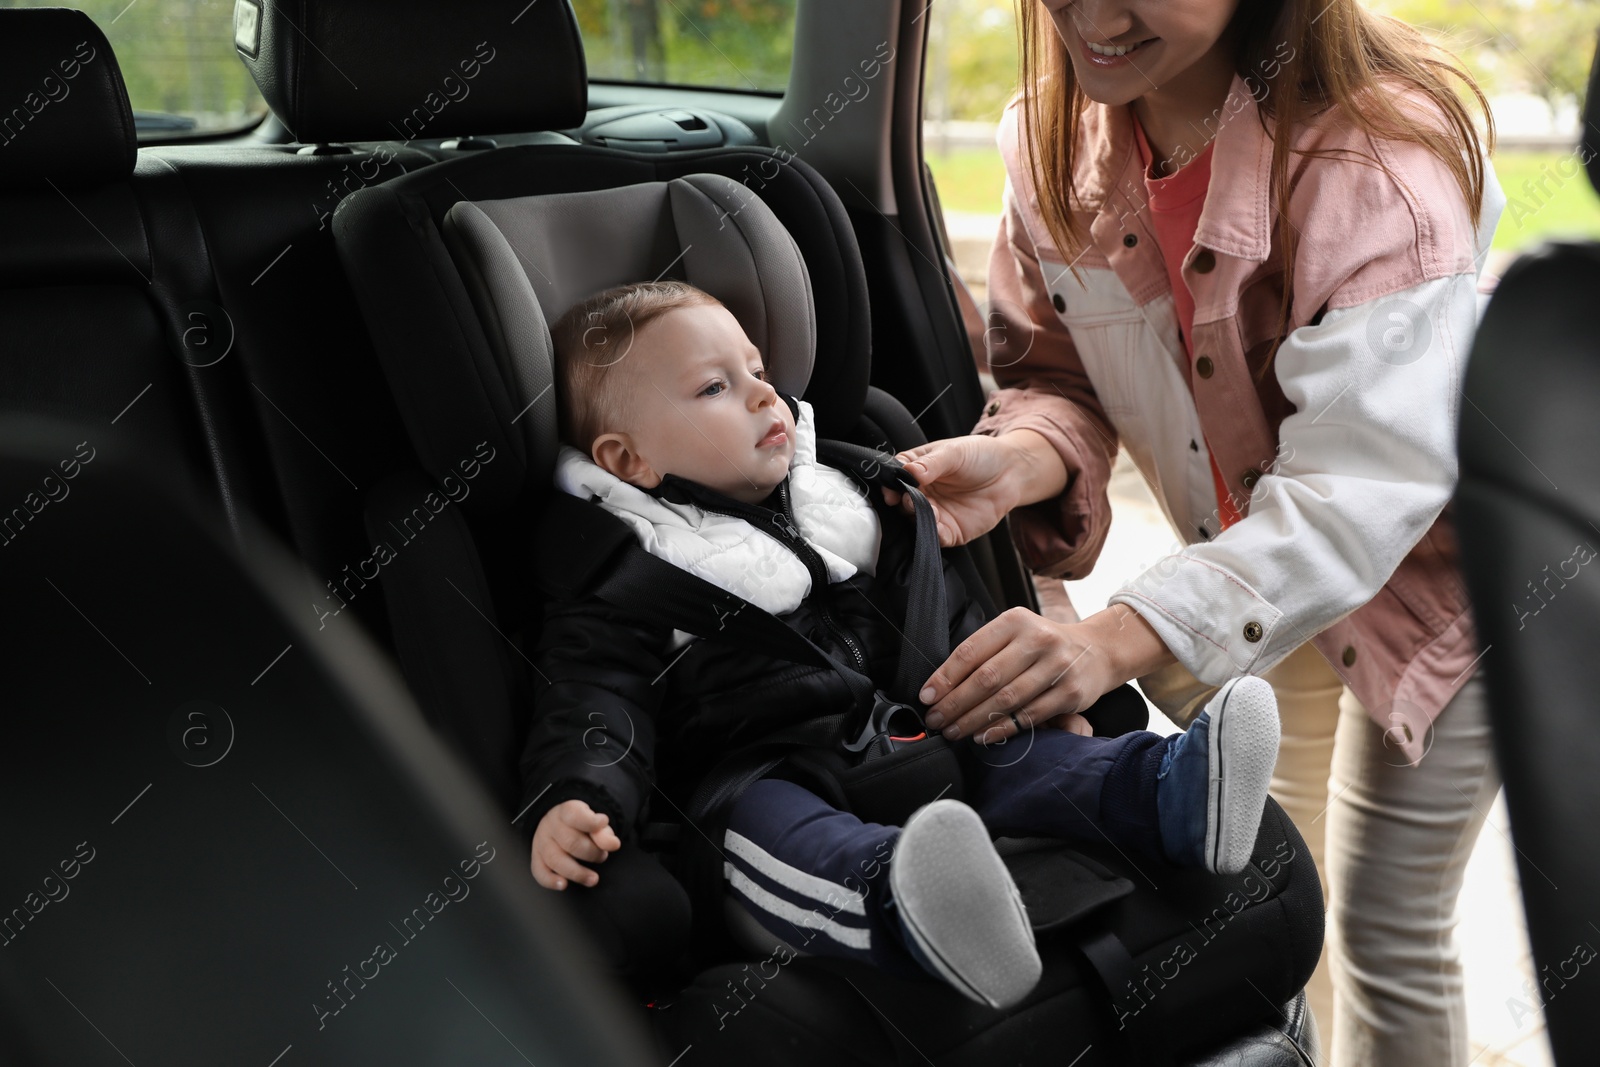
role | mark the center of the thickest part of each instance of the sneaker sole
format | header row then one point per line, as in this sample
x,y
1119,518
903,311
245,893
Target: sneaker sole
x,y
1243,749
959,904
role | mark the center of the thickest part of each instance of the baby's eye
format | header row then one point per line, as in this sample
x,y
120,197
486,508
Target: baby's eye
x,y
714,388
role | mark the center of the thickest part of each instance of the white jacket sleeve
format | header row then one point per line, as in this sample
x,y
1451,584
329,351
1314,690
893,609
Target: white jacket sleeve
x,y
1365,465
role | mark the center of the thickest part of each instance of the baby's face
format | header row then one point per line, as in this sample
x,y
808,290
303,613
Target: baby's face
x,y
701,407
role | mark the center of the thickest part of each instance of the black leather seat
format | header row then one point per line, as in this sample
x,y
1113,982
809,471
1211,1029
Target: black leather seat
x,y
462,353
108,309
206,273
1529,502
230,838
205,248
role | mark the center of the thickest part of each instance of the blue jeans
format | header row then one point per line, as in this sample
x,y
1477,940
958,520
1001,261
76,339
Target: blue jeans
x,y
816,877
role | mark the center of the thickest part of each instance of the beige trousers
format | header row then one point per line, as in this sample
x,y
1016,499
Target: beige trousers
x,y
1391,842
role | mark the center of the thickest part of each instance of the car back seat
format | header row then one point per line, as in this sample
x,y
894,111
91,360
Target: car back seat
x,y
109,311
207,273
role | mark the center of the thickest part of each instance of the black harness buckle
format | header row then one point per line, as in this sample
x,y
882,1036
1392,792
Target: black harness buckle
x,y
898,724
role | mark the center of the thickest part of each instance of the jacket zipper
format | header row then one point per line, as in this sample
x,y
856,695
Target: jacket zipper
x,y
786,530
819,573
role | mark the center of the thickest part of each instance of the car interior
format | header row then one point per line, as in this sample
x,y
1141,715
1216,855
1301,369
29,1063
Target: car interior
x,y
1529,517
271,683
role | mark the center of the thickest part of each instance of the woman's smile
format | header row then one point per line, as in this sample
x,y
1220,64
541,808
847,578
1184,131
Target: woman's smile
x,y
1113,56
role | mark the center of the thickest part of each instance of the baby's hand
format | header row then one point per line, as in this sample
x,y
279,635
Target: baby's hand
x,y
569,832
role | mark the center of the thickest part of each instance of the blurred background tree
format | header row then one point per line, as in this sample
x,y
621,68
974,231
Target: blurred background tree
x,y
734,44
1543,47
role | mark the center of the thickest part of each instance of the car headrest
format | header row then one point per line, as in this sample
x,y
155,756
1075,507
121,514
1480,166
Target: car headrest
x,y
526,260
67,119
358,71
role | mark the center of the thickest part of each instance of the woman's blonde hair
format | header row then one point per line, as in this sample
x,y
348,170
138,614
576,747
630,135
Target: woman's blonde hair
x,y
1339,53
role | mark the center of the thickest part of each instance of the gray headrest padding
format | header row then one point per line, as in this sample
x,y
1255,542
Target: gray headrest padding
x,y
526,260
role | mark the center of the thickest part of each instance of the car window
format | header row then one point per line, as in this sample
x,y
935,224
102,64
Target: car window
x,y
743,45
177,60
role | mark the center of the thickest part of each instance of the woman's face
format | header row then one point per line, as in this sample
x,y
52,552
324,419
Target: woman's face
x,y
1167,38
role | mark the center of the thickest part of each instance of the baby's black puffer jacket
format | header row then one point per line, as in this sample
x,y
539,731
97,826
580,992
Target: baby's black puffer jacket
x,y
618,711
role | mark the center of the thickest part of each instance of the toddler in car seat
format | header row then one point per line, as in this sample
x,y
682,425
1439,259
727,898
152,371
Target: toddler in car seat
x,y
670,423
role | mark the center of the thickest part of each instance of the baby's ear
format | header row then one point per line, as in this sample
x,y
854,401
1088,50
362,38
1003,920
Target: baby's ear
x,y
615,453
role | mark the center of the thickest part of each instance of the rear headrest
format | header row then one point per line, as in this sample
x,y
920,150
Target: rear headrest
x,y
355,70
526,260
66,119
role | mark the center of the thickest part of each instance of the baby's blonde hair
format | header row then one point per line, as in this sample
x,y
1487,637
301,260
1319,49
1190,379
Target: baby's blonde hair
x,y
593,339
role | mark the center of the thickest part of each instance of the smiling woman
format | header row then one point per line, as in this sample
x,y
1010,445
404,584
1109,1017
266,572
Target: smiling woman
x,y
1238,237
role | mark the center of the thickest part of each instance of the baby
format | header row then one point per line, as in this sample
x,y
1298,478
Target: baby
x,y
671,424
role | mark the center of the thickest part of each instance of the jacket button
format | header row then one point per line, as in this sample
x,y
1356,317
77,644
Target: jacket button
x,y
1204,367
1129,240
1349,656
1204,261
1252,631
1249,478
993,408
1061,305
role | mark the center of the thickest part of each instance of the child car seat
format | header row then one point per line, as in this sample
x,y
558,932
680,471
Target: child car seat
x,y
507,265
462,384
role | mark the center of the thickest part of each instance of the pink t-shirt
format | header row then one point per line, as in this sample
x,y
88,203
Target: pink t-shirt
x,y
1175,203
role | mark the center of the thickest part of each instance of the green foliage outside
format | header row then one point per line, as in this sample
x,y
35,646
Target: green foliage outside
x,y
732,44
176,56
1543,47
1551,205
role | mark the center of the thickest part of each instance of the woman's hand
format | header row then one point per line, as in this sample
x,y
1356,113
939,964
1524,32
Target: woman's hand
x,y
1022,664
974,481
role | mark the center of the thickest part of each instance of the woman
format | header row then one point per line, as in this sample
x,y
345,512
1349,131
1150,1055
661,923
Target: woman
x,y
1242,237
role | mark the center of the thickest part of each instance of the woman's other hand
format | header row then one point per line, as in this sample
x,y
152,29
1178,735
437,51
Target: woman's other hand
x,y
1023,670
974,481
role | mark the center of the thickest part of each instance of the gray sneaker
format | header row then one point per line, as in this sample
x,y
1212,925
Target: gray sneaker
x,y
1212,785
960,913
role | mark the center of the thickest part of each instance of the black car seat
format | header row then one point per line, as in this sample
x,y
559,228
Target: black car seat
x,y
520,262
192,294
107,301
230,838
1529,502
426,253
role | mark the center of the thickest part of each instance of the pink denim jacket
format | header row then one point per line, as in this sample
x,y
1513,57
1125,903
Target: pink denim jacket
x,y
1341,455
